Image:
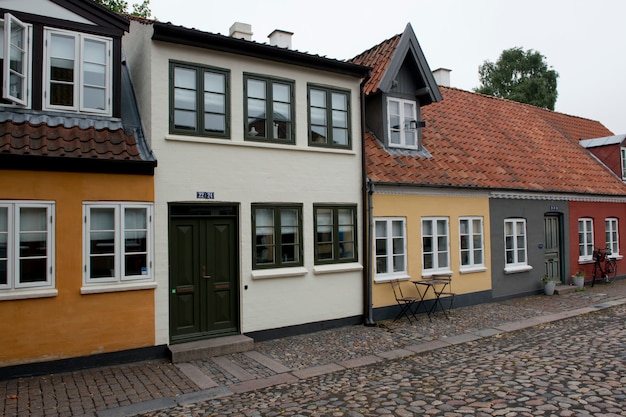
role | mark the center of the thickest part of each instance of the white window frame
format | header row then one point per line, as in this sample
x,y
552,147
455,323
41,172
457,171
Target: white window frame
x,y
436,249
408,125
78,82
516,265
8,23
472,248
13,248
623,160
389,257
118,276
585,239
611,227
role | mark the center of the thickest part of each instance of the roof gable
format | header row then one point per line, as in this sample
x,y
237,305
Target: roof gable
x,y
387,59
482,142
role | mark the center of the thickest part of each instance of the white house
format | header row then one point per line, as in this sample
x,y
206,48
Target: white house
x,y
258,192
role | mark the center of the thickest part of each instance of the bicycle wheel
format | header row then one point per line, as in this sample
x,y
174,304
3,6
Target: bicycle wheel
x,y
611,270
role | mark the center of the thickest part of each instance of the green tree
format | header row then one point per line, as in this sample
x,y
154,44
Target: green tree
x,y
522,76
121,6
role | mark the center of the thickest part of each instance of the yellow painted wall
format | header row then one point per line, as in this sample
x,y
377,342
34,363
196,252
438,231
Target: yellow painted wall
x,y
71,324
413,208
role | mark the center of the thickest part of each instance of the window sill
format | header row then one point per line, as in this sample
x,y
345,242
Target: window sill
x,y
517,269
329,269
471,270
387,278
279,273
116,287
26,294
431,273
584,261
256,144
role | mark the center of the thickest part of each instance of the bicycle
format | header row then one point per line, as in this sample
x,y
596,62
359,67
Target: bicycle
x,y
608,274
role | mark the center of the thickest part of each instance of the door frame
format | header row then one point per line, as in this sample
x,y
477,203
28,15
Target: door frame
x,y
561,237
195,210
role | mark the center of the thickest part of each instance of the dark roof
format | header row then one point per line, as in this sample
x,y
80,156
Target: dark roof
x,y
168,32
387,58
482,142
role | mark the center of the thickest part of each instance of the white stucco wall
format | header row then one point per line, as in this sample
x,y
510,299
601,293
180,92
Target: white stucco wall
x,y
244,173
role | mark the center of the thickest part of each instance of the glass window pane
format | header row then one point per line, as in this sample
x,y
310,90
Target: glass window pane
x,y
340,101
340,119
33,270
215,83
185,78
214,123
281,92
398,263
136,264
215,103
381,229
94,51
185,99
184,120
340,136
94,98
397,228
256,89
318,116
135,218
318,98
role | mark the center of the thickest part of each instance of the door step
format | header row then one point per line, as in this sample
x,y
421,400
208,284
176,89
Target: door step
x,y
199,349
564,289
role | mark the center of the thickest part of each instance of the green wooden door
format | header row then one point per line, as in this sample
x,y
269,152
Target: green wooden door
x,y
552,250
203,278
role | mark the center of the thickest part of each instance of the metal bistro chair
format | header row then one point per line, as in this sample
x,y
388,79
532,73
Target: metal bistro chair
x,y
447,292
406,303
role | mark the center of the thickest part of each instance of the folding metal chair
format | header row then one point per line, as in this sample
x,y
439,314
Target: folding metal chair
x,y
446,291
406,303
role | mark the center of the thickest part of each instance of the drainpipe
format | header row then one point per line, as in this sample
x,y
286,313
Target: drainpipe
x,y
367,222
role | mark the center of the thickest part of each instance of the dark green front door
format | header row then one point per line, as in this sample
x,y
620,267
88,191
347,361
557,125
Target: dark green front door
x,y
552,250
203,278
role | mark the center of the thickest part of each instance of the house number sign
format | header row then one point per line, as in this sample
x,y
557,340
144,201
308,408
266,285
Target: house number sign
x,y
207,195
554,208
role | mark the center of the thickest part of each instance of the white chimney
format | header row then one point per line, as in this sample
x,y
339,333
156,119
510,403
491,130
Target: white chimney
x,y
280,38
241,31
442,76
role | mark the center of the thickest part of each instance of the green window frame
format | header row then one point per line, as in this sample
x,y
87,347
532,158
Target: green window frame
x,y
199,100
335,234
329,117
269,109
277,236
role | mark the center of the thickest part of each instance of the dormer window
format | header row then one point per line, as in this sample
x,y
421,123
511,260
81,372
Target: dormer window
x,y
15,55
77,72
402,123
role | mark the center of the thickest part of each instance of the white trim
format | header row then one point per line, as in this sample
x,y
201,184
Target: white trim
x,y
390,277
517,265
586,221
471,232
402,129
472,270
279,273
9,22
389,244
125,286
28,294
517,268
331,268
436,250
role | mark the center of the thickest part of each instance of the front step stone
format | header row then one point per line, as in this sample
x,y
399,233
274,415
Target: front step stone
x,y
564,289
200,349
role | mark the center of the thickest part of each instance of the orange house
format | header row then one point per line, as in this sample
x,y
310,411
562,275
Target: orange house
x,y
76,192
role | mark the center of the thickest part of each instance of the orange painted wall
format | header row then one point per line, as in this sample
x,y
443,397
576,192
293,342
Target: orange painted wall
x,y
71,324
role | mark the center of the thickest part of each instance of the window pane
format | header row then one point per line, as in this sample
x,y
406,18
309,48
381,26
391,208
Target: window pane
x,y
340,136
214,103
135,218
340,101
318,98
398,263
381,229
185,78
185,99
215,83
397,228
340,119
184,120
136,264
324,236
214,123
256,89
265,244
62,62
94,98
33,270
281,92
318,116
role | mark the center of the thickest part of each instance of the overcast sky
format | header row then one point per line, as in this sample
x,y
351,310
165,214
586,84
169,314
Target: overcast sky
x,y
584,41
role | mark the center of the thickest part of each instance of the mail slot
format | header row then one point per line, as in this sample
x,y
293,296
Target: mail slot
x,y
222,286
185,290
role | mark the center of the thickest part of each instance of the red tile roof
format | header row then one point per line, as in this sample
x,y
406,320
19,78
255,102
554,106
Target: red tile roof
x,y
69,142
478,141
378,58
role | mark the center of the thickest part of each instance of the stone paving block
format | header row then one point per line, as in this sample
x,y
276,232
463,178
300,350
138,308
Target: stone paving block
x,y
461,338
139,408
427,346
255,384
360,361
232,368
270,363
202,380
395,354
518,325
204,395
565,314
488,332
317,370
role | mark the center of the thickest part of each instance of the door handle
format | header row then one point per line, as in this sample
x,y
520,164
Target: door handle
x,y
204,275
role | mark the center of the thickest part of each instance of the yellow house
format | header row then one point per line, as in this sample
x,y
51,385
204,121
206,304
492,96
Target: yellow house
x,y
418,227
76,192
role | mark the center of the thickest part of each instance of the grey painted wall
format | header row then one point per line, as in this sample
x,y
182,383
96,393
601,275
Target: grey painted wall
x,y
520,283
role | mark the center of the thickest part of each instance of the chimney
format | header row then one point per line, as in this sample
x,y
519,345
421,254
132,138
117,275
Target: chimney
x,y
442,76
241,31
280,38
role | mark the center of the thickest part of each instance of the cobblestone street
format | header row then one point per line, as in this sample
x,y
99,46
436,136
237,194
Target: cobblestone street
x,y
573,367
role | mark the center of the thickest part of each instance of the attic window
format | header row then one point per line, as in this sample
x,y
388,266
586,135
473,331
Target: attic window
x,y
402,123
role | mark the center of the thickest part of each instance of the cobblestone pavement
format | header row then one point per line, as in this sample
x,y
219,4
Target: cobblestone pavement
x,y
559,361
